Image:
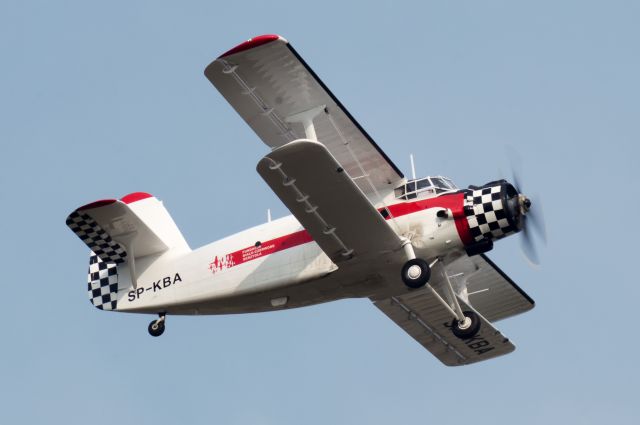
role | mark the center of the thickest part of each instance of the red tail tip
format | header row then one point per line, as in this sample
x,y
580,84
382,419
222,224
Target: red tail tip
x,y
135,196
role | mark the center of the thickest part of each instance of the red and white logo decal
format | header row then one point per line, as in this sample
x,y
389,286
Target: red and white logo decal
x,y
221,263
261,249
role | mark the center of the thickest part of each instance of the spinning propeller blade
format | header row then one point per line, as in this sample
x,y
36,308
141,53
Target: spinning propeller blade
x,y
532,215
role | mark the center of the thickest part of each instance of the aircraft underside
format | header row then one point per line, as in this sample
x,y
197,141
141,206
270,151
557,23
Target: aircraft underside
x,y
359,228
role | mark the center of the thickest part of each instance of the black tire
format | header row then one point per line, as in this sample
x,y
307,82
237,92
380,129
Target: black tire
x,y
156,328
416,281
471,330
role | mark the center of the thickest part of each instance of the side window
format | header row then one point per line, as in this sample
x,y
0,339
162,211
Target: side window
x,y
423,183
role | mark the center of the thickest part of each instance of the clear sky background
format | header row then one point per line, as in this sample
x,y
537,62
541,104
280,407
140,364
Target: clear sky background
x,y
100,99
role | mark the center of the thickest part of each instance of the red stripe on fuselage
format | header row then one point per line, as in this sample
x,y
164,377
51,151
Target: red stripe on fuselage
x,y
263,249
271,247
453,202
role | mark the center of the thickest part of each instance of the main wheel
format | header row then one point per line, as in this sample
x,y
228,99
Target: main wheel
x,y
156,327
467,329
416,273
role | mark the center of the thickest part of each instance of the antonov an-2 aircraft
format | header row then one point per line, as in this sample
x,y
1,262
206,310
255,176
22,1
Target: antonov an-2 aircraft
x,y
358,229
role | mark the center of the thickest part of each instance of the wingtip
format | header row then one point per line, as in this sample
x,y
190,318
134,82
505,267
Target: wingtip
x,y
252,43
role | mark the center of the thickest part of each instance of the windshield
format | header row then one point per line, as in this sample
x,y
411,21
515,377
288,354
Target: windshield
x,y
439,183
425,187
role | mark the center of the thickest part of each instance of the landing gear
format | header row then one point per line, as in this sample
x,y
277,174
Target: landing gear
x,y
156,327
468,328
416,273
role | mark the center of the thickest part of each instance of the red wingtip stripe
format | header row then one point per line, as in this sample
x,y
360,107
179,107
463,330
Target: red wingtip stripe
x,y
97,204
251,43
135,196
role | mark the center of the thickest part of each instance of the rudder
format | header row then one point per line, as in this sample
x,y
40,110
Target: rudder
x,y
103,283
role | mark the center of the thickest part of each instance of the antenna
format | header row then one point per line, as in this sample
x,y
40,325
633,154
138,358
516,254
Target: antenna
x,y
268,215
413,167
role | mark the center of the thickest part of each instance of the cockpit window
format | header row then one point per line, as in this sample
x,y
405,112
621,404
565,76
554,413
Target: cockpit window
x,y
439,184
449,182
423,183
425,187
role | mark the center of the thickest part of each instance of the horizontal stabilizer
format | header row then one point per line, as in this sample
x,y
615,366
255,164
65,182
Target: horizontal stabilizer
x,y
136,226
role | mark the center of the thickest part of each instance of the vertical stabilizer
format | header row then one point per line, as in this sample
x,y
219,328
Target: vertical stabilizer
x,y
119,233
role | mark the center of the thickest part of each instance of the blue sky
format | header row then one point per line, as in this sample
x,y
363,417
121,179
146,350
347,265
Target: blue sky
x,y
101,99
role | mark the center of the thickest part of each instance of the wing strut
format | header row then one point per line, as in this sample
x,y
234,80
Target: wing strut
x,y
363,173
456,311
306,119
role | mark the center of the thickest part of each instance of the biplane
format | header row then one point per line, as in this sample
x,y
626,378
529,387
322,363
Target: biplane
x,y
359,228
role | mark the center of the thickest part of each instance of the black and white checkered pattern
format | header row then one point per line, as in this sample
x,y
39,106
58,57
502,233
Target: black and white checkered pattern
x,y
96,238
103,283
488,216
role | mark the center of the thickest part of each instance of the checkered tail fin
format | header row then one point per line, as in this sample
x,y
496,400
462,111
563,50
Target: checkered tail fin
x,y
118,233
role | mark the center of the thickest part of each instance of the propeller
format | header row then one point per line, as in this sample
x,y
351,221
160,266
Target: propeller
x,y
532,216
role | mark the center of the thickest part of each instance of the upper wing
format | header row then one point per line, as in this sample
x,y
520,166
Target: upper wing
x,y
482,287
272,88
317,191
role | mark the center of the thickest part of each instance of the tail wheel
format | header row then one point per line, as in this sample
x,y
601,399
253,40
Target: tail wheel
x,y
416,273
468,328
156,327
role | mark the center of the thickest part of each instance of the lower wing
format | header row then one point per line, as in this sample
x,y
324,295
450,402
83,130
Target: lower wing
x,y
481,287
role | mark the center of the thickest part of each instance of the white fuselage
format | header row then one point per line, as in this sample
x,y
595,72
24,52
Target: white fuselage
x,y
277,265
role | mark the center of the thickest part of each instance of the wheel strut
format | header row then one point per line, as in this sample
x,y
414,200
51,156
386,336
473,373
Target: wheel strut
x,y
416,273
408,249
156,327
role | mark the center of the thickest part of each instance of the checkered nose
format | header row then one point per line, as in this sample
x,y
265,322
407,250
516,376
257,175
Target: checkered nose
x,y
493,211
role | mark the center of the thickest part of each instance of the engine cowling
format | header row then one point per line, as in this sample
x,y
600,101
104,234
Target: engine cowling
x,y
493,211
